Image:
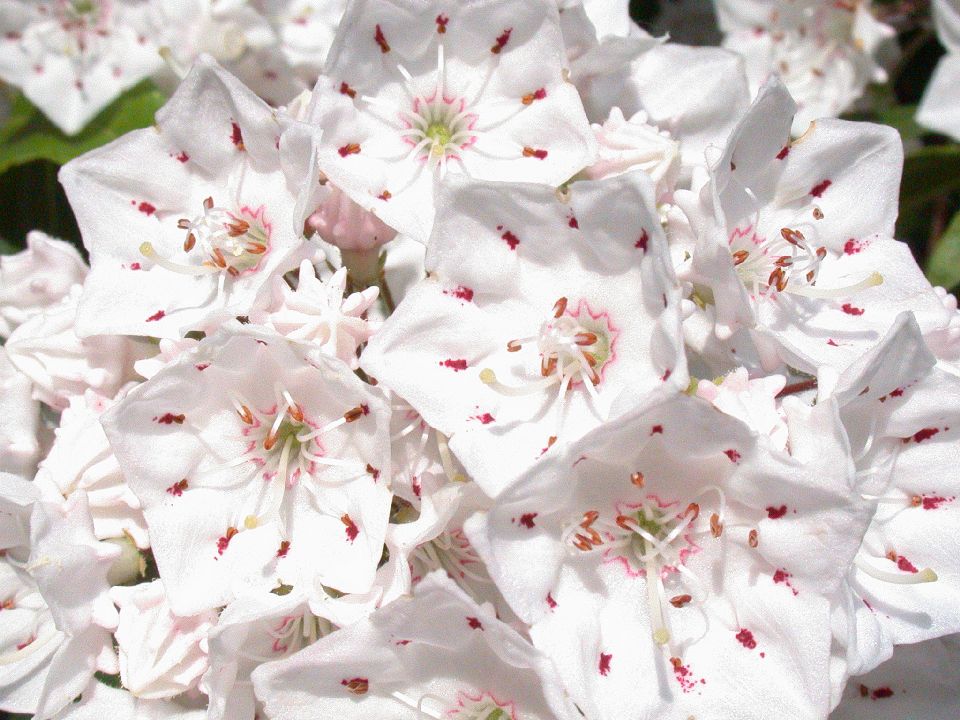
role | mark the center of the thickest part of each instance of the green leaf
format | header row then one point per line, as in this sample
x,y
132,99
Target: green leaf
x,y
943,267
28,136
929,173
7,247
901,117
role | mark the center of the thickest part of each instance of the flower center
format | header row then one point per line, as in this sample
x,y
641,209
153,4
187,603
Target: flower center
x,y
453,553
574,347
786,263
469,706
651,539
228,242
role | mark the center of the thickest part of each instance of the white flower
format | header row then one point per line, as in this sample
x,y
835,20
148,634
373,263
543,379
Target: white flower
x,y
62,365
414,93
320,312
798,258
81,459
72,58
670,548
900,414
437,654
190,232
635,143
70,567
752,401
939,108
37,278
19,421
249,455
540,317
919,682
161,654
235,33
824,51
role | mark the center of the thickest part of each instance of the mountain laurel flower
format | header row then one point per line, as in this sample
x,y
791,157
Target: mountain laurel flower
x,y
36,278
540,316
194,230
414,93
72,58
161,654
266,450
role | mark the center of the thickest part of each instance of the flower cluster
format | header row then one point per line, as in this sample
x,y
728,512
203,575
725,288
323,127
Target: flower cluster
x,y
504,375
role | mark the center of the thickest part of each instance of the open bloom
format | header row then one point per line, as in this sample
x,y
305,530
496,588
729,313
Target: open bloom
x,y
265,451
437,654
72,58
414,93
900,414
189,233
791,252
825,52
539,315
672,549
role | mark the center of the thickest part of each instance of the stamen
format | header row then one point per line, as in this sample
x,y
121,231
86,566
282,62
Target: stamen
x,y
898,578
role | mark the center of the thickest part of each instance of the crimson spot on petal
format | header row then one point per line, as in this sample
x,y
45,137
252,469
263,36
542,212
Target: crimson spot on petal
x,y
818,189
775,513
527,520
474,623
604,665
158,315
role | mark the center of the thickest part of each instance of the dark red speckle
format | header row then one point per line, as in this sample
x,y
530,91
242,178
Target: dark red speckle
x,y
202,366
656,430
745,638
783,153
818,189
455,365
531,152
135,266
461,293
349,527
604,665
775,513
666,375
182,157
501,41
881,693
551,603
178,487
224,541
511,239
442,21
485,418
474,623
906,565
283,549
732,454
147,208
347,90
832,342
236,136
527,520
170,419
573,223
921,435
852,246
851,309
642,242
930,502
381,40
158,315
